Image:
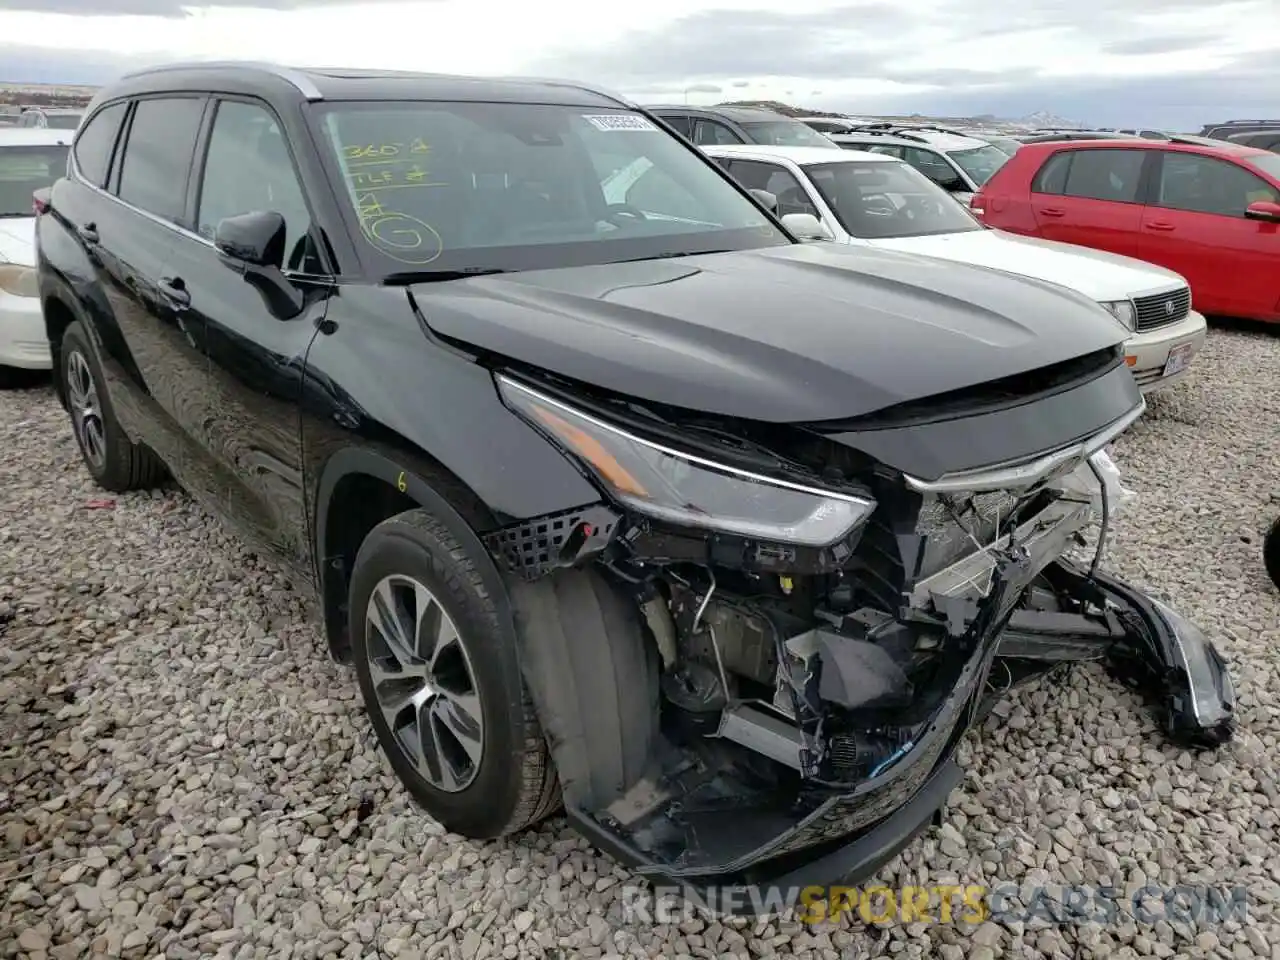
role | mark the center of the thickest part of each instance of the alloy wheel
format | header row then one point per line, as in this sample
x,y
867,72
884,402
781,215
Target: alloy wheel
x,y
86,409
424,683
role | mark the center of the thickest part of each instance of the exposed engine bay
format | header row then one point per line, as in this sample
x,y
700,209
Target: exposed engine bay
x,y
811,693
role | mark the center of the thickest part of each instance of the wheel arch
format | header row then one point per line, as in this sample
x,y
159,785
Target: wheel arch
x,y
384,484
572,630
60,311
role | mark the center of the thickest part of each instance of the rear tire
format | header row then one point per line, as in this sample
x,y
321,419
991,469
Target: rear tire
x,y
1271,552
113,460
451,714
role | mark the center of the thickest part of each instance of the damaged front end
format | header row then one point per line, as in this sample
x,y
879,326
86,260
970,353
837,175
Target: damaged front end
x,y
828,628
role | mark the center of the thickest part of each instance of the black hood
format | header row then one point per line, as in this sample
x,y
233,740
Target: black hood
x,y
800,333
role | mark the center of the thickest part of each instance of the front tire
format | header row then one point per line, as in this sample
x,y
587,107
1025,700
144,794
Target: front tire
x,y
442,685
114,461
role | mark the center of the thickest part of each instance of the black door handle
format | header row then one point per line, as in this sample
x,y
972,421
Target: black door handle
x,y
175,292
88,233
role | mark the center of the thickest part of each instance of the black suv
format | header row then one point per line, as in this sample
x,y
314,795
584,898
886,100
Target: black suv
x,y
619,497
728,125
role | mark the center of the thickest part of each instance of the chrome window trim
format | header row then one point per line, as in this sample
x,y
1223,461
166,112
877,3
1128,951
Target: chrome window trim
x,y
1027,473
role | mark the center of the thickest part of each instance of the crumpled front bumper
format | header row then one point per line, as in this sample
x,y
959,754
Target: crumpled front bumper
x,y
848,837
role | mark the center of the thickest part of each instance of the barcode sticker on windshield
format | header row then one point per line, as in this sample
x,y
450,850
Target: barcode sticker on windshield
x,y
618,121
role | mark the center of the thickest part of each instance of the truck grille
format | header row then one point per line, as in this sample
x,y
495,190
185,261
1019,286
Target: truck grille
x,y
1162,309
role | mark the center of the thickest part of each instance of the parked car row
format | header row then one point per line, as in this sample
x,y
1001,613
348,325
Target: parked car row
x,y
620,498
30,159
870,199
51,118
1209,213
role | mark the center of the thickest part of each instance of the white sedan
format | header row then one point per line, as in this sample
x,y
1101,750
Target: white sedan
x,y
30,159
872,199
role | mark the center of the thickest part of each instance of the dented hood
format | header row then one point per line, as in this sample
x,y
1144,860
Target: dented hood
x,y
804,332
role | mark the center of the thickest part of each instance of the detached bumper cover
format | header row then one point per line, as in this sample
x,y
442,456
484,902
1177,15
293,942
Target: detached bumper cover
x,y
847,837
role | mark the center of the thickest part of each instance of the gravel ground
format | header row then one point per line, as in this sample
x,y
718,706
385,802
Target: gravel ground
x,y
183,773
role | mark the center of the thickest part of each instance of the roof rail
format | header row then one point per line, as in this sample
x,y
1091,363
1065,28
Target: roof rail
x,y
299,80
575,85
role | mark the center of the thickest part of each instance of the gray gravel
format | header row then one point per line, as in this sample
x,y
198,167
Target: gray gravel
x,y
183,773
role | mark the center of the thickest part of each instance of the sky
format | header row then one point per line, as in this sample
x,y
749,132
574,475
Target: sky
x,y
1176,64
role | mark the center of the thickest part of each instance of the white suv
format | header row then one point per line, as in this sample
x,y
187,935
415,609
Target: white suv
x,y
958,164
869,199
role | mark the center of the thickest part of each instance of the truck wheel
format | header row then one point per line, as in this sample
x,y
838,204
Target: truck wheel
x,y
442,684
1271,552
114,461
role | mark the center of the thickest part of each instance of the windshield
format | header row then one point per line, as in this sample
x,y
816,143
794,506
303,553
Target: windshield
x,y
63,121
980,163
23,171
1269,164
888,199
476,187
1004,144
785,133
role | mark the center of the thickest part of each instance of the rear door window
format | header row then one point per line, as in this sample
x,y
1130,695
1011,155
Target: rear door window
x,y
158,155
681,124
711,132
1093,175
932,165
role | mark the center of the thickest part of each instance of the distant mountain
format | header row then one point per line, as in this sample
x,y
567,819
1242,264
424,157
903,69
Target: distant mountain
x,y
1041,118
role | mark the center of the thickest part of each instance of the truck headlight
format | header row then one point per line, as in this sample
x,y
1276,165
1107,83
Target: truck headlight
x,y
685,489
1123,311
18,280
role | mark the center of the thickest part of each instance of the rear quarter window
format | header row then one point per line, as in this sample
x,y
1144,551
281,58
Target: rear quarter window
x,y
95,143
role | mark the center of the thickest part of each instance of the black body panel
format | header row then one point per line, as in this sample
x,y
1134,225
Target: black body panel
x,y
795,333
307,418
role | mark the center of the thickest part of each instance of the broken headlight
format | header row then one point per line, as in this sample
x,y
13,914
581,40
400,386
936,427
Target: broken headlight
x,y
685,489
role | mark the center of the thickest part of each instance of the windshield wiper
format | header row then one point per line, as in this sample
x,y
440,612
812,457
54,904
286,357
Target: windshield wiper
x,y
672,255
438,276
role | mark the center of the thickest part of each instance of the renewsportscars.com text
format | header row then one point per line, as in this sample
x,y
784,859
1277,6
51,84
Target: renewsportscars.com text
x,y
972,904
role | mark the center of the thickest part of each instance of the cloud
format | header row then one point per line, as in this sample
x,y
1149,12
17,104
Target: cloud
x,y
725,44
1185,102
172,9
1112,62
28,64
1139,46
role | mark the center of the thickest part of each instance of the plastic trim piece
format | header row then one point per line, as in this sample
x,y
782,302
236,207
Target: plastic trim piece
x,y
1030,472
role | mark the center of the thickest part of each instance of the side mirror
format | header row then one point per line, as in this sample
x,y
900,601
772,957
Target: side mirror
x,y
766,198
253,244
256,239
805,226
1264,210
